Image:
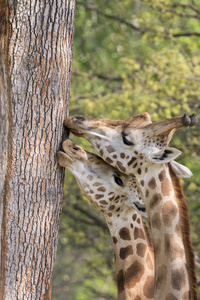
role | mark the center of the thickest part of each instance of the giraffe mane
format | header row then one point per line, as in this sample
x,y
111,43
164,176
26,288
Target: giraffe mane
x,y
185,230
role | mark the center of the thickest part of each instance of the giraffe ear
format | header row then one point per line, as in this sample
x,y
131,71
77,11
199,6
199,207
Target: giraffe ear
x,y
180,170
165,155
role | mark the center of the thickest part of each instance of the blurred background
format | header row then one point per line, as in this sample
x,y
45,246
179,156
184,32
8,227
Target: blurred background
x,y
129,57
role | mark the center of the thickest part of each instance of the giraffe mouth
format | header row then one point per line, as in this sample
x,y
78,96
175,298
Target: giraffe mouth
x,y
88,133
69,154
64,160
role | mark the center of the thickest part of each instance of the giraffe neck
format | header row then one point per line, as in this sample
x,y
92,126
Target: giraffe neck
x,y
185,228
172,280
134,258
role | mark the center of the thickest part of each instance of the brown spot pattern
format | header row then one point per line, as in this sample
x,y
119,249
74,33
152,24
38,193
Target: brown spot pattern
x,y
101,152
161,277
148,288
134,217
101,189
155,221
162,175
142,182
138,233
122,155
155,200
120,281
133,274
121,167
103,202
152,183
125,252
137,298
111,207
118,197
110,149
124,233
108,160
178,279
170,296
172,249
141,249
97,184
169,213
90,177
131,161
114,239
98,196
166,187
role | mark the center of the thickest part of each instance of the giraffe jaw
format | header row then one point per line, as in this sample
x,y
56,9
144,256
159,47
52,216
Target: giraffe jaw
x,y
64,160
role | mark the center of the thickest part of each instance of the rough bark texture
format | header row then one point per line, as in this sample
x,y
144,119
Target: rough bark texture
x,y
36,39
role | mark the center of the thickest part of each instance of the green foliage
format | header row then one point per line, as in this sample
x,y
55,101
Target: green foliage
x,y
129,57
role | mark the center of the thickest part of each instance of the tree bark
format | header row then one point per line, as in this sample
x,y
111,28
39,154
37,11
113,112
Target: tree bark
x,y
36,41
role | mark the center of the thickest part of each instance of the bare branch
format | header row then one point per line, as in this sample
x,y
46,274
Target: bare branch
x,y
114,18
184,14
100,76
190,6
181,34
91,216
137,28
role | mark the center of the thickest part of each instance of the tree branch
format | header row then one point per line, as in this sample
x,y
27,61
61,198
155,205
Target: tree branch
x,y
91,216
184,14
181,34
100,76
190,6
101,294
137,28
114,18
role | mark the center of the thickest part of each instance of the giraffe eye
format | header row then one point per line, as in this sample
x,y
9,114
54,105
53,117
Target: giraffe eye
x,y
118,180
126,140
76,148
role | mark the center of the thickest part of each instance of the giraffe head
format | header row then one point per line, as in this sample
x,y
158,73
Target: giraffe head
x,y
132,143
107,188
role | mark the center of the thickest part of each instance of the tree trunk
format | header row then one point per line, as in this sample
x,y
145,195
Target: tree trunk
x,y
36,40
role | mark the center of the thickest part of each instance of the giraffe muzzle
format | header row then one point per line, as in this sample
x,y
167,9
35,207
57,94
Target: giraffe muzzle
x,y
190,120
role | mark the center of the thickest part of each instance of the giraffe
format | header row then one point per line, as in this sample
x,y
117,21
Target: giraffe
x,y
115,194
136,146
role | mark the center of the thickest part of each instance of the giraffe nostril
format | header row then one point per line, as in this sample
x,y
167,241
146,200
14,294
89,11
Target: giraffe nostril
x,y
79,118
